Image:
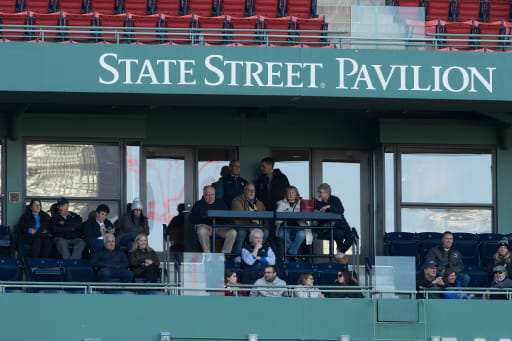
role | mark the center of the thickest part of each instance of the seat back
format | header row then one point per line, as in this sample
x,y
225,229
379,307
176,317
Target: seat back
x,y
399,236
78,270
487,250
10,270
5,241
469,251
45,270
429,236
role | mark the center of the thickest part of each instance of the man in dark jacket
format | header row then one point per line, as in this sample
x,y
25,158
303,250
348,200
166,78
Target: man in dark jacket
x,y
96,227
199,217
66,228
428,279
111,264
271,184
446,256
232,185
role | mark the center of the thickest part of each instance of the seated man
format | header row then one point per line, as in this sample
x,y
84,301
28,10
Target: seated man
x,y
96,227
269,280
246,202
429,279
255,258
110,263
199,217
446,256
67,231
500,281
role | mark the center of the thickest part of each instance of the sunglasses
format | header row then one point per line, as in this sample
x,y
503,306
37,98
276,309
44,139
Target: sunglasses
x,y
340,275
499,272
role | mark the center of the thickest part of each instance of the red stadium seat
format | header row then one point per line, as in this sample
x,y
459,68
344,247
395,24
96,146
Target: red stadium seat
x,y
54,19
118,27
79,22
234,8
470,10
458,28
265,8
494,28
285,23
71,6
247,23
188,24
106,7
38,6
498,10
137,7
204,8
155,21
7,6
299,8
441,9
316,24
13,33
220,23
169,7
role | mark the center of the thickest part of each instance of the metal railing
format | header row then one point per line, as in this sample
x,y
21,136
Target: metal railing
x,y
256,37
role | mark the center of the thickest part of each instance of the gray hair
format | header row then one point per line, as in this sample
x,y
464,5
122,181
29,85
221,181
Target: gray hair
x,y
324,187
206,188
249,184
255,231
108,235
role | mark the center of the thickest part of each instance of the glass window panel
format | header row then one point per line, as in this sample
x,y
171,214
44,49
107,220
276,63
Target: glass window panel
x,y
395,274
72,170
201,271
444,178
298,175
165,186
132,173
389,188
446,219
85,208
208,173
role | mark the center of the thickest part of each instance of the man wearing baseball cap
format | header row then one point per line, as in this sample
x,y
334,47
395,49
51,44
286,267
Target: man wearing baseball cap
x,y
66,227
428,279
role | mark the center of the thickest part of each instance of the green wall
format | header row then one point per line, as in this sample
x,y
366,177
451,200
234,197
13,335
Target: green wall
x,y
142,318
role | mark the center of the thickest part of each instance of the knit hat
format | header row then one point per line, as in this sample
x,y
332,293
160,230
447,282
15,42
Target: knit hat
x,y
136,204
503,242
499,268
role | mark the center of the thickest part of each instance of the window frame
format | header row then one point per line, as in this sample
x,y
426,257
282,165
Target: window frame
x,y
120,143
399,149
3,179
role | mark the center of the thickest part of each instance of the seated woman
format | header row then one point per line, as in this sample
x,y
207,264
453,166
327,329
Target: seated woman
x,y
255,257
230,281
451,282
345,279
325,202
34,225
132,224
144,260
501,257
291,203
305,289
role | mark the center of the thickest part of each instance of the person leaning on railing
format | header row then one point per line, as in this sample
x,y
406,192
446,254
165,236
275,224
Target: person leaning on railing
x,y
452,286
34,225
500,281
344,279
144,260
270,281
256,257
305,287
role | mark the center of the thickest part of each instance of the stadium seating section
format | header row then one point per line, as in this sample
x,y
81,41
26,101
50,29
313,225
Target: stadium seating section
x,y
476,249
161,21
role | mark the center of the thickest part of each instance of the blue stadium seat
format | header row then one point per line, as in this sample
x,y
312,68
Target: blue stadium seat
x,y
118,292
403,248
45,270
469,250
487,250
429,236
483,237
10,270
231,265
425,246
400,236
78,270
5,241
150,292
463,236
328,272
479,278
293,270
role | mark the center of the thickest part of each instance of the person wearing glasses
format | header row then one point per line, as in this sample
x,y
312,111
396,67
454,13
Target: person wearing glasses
x,y
326,202
344,279
305,287
500,281
268,281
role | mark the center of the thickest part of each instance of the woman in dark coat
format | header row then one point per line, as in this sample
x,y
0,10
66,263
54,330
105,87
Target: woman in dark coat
x,y
344,279
144,260
34,225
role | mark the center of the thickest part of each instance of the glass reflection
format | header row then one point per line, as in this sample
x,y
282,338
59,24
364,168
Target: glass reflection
x,y
449,219
208,173
298,175
85,208
444,178
72,170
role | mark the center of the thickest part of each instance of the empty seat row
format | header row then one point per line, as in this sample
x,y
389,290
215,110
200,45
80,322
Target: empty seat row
x,y
478,34
238,8
475,249
161,28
